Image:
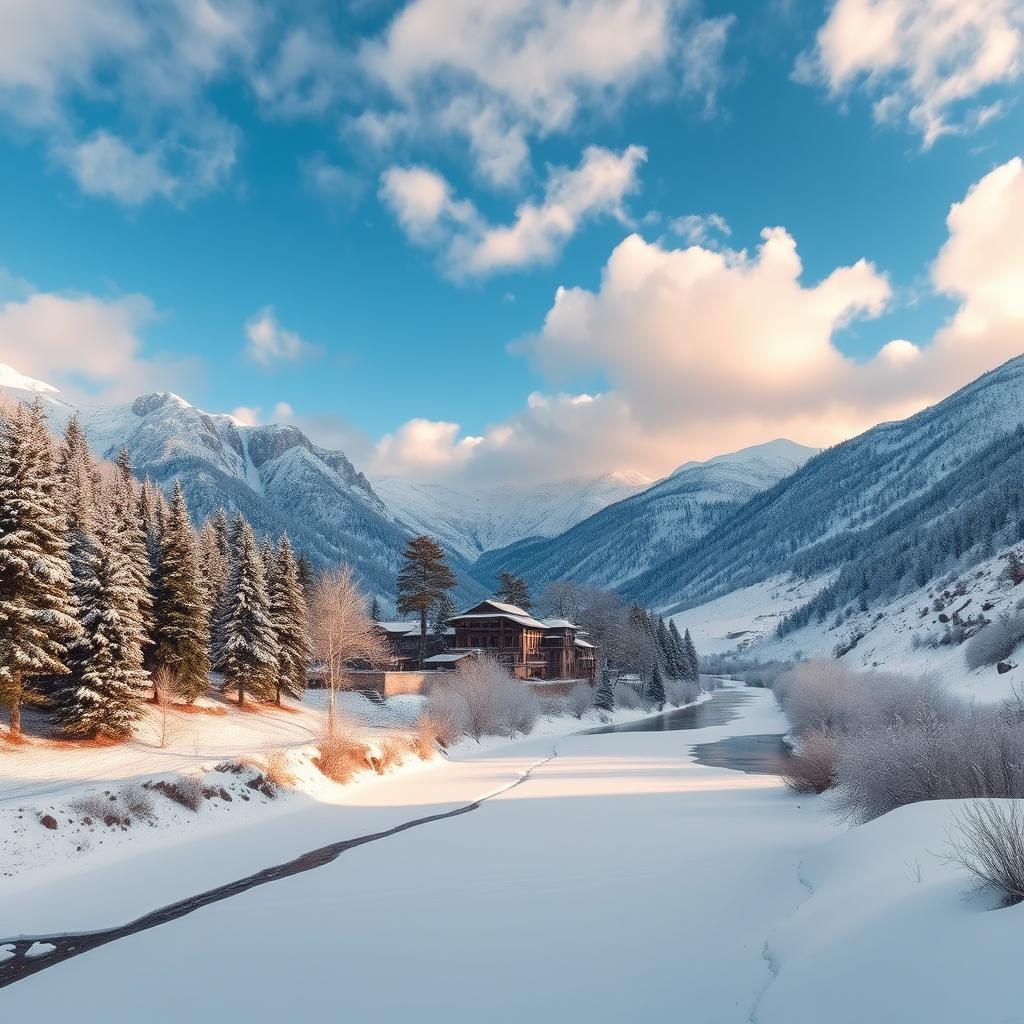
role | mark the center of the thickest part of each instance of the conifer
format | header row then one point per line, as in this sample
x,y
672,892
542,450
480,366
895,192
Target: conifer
x,y
604,698
290,617
180,613
250,654
37,619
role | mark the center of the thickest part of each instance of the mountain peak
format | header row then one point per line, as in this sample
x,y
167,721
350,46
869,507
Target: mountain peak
x,y
11,378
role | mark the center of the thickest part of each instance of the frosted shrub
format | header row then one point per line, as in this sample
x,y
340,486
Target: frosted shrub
x,y
579,700
821,694
990,845
681,691
446,717
978,752
996,641
138,801
811,768
496,704
626,696
187,791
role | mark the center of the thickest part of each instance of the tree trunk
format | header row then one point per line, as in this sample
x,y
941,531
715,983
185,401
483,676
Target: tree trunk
x,y
16,705
241,692
423,634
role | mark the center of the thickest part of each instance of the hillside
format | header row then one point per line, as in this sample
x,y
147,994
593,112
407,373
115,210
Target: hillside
x,y
644,530
883,499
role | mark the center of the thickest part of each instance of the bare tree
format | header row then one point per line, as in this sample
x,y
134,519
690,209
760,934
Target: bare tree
x,y
341,629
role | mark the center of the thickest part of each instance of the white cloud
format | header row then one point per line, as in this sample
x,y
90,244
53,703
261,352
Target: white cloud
x,y
268,343
252,415
144,72
700,229
90,348
428,212
929,61
427,445
706,351
329,181
501,73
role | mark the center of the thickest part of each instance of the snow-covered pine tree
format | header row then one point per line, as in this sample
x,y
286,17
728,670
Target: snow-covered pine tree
x,y
604,698
215,558
664,642
656,687
37,618
78,476
375,610
291,622
692,661
182,630
679,659
102,694
250,655
133,542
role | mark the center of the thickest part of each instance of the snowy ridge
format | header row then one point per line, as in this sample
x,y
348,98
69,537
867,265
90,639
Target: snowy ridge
x,y
631,535
822,508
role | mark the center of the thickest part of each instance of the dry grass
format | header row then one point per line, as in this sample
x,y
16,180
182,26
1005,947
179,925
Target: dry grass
x,y
276,770
391,752
990,846
340,754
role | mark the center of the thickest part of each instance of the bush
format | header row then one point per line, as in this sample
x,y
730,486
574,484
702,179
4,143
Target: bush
x,y
391,752
812,766
137,800
580,699
446,717
626,696
821,694
978,752
496,704
681,691
276,769
991,846
996,641
187,791
340,755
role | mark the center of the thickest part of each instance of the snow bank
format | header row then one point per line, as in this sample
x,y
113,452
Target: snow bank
x,y
890,932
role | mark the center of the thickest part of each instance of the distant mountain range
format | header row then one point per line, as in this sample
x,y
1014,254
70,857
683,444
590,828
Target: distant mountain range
x,y
476,520
866,514
904,499
643,531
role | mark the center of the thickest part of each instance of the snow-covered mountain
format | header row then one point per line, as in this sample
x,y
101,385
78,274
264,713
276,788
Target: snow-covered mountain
x,y
902,500
474,520
274,475
643,530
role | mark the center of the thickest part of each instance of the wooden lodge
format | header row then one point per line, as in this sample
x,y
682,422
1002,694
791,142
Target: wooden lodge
x,y
532,648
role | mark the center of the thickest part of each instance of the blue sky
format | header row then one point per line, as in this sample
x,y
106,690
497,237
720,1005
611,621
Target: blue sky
x,y
180,178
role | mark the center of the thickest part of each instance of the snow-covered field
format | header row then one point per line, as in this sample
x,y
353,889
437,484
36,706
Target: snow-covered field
x,y
604,878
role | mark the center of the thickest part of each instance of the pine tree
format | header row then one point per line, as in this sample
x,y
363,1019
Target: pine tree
x,y
101,695
78,476
291,622
375,610
604,698
36,609
513,590
679,659
132,540
306,575
439,633
692,661
665,652
182,628
216,558
423,581
656,687
251,652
